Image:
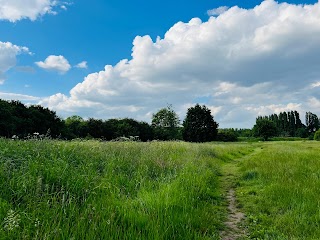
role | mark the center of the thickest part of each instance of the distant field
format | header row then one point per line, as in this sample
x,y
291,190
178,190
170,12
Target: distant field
x,y
157,190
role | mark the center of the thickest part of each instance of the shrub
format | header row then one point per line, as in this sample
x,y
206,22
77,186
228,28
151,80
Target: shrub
x,y
317,135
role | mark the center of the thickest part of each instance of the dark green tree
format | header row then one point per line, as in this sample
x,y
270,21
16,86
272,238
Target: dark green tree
x,y
75,127
312,122
127,127
6,119
165,124
227,135
199,125
45,121
264,128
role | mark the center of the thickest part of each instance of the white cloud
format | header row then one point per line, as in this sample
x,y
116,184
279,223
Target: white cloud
x,y
15,10
16,96
83,64
8,57
55,63
315,84
217,11
274,108
314,103
248,61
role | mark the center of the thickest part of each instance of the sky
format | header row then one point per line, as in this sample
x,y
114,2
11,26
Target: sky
x,y
117,59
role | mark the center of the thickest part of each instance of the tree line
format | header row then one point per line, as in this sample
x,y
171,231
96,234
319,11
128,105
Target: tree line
x,y
286,124
21,121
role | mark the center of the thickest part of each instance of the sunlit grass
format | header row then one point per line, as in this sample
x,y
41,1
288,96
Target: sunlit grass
x,y
111,190
280,191
157,190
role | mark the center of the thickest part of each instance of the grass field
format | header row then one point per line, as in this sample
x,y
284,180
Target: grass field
x,y
157,190
279,189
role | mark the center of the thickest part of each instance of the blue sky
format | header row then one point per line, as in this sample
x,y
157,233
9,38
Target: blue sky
x,y
257,58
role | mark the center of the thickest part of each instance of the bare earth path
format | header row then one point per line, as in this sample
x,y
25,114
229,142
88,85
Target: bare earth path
x,y
234,219
233,230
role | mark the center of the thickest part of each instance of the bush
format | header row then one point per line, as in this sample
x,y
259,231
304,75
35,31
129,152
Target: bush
x,y
317,135
227,135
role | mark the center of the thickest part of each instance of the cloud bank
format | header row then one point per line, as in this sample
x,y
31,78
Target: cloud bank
x,y
241,63
15,10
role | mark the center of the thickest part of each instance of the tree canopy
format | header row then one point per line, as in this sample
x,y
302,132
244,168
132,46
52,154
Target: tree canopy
x,y
199,125
265,128
166,124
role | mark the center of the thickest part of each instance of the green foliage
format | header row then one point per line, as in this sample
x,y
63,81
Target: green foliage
x,y
244,132
76,127
264,128
166,124
227,135
199,125
302,132
288,124
312,122
317,135
17,119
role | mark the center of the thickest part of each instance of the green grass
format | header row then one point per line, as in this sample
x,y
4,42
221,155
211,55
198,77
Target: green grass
x,y
157,190
93,190
280,191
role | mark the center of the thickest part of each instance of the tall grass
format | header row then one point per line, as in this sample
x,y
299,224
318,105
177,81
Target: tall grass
x,y
280,191
93,190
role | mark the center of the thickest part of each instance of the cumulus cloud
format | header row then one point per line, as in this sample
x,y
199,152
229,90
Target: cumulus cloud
x,y
244,61
15,10
83,64
8,57
55,63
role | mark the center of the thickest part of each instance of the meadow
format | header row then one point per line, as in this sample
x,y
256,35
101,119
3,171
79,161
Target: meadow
x,y
157,190
279,190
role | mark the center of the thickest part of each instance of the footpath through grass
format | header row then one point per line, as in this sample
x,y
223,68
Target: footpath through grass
x,y
93,190
279,190
158,190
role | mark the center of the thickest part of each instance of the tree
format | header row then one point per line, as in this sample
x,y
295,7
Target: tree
x,y
264,128
76,127
127,127
166,124
312,122
227,135
199,125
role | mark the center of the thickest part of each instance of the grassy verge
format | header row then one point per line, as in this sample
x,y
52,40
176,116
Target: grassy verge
x,y
93,190
279,191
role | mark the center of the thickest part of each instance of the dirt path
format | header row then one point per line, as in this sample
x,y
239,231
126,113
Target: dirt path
x,y
233,231
230,173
